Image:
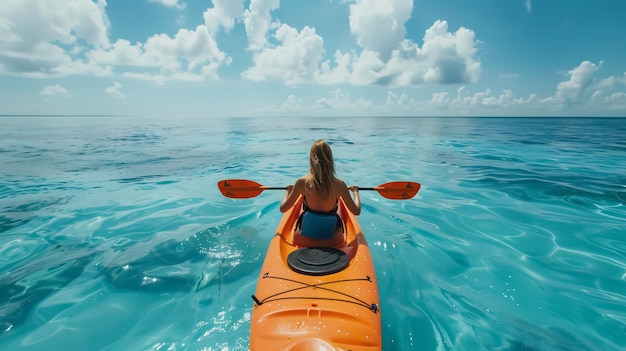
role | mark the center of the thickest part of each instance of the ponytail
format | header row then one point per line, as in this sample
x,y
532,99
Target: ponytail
x,y
322,168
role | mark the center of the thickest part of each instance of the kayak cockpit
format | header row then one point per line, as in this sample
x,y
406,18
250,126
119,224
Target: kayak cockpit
x,y
292,236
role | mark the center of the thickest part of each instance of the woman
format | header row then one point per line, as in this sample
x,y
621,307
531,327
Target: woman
x,y
321,191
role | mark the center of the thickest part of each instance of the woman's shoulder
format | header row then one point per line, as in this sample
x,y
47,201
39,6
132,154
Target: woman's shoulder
x,y
339,180
339,183
302,180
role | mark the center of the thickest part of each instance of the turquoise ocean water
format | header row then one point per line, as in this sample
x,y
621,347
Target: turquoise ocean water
x,y
114,236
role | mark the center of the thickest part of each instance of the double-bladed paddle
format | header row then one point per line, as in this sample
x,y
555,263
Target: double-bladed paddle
x,y
245,189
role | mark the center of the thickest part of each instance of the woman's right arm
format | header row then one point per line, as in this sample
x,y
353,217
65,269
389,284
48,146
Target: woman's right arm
x,y
291,195
354,205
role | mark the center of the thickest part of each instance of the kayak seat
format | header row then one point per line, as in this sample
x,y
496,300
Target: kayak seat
x,y
319,225
318,260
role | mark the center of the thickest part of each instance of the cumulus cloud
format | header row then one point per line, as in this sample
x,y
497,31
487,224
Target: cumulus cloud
x,y
223,14
463,102
379,25
341,100
581,88
617,101
444,58
591,95
401,101
606,83
337,102
581,78
258,21
41,39
386,57
54,90
115,90
190,55
294,61
292,103
587,92
440,100
34,35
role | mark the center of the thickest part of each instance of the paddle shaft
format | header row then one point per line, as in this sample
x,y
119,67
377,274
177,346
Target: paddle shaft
x,y
245,189
285,188
376,188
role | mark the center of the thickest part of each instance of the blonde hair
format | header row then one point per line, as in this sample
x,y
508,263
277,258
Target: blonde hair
x,y
321,168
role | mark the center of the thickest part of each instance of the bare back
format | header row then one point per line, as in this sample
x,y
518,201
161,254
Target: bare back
x,y
315,201
318,203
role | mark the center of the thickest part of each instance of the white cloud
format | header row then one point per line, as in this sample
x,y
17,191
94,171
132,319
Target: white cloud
x,y
580,89
223,14
617,101
292,103
115,90
402,101
366,68
590,95
486,99
444,103
508,75
170,3
581,78
529,6
41,39
386,58
341,100
503,100
339,103
258,21
379,25
597,95
439,100
391,60
191,55
445,58
606,83
467,103
295,61
196,47
54,90
586,92
34,35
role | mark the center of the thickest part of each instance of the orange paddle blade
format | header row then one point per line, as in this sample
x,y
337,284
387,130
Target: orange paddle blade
x,y
397,190
241,188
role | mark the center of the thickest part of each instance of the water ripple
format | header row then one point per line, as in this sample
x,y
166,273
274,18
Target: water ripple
x,y
114,235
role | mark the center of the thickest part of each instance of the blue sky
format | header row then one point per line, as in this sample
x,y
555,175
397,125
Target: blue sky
x,y
203,58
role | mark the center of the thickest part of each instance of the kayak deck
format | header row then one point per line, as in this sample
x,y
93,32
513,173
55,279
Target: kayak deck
x,y
334,311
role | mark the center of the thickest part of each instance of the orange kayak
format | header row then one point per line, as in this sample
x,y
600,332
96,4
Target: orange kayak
x,y
314,294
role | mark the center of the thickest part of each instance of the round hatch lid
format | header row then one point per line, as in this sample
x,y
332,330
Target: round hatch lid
x,y
318,260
